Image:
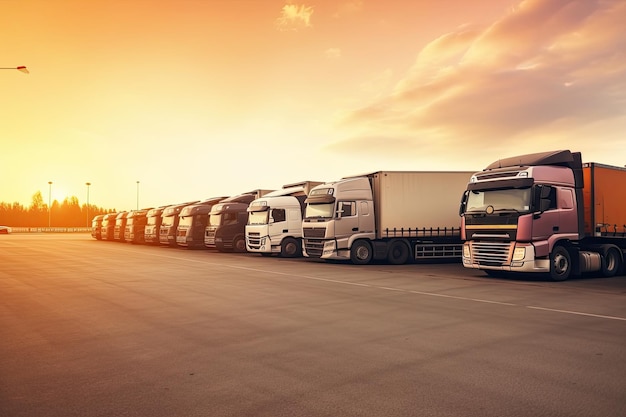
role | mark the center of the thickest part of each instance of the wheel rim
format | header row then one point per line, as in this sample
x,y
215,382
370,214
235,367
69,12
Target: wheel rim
x,y
561,264
362,252
290,249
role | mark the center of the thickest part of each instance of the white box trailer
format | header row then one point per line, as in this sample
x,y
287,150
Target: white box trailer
x,y
386,215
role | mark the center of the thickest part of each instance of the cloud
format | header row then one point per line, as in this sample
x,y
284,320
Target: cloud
x,y
348,8
549,68
294,17
333,53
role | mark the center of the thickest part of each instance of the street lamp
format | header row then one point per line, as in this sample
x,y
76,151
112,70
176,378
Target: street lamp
x,y
20,68
49,200
137,195
87,184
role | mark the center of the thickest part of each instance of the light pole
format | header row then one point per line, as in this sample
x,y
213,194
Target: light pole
x,y
49,202
137,195
87,184
20,68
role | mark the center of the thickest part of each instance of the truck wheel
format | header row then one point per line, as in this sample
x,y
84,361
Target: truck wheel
x,y
290,248
361,252
239,244
560,264
398,253
611,261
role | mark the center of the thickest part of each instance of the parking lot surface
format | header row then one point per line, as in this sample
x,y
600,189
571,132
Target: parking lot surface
x,y
93,328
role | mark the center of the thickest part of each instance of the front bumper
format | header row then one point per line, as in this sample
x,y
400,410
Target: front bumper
x,y
520,258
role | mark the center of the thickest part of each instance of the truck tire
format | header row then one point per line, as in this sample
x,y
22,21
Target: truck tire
x,y
239,244
290,248
398,253
560,264
611,261
361,252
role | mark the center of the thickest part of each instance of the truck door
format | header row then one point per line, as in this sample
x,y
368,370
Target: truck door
x,y
547,223
294,222
278,223
347,222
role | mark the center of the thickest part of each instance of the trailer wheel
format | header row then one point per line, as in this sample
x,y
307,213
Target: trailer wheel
x,y
290,248
361,252
239,244
398,253
611,261
560,264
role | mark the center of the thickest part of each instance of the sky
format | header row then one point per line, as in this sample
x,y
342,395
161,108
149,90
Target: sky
x,y
158,102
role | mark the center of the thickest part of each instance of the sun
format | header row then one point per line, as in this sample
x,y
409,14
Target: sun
x,y
55,192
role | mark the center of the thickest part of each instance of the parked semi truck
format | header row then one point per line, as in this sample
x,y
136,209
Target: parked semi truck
x,y
546,213
192,223
136,226
395,216
275,221
169,223
153,225
96,227
120,226
226,230
108,226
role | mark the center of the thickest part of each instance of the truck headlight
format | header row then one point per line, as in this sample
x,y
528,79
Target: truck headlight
x,y
519,253
466,251
329,247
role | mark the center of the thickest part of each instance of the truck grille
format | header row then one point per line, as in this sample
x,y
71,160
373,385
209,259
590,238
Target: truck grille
x,y
492,253
313,241
314,232
314,247
209,237
254,240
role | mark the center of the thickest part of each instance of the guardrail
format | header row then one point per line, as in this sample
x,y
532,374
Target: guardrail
x,y
50,229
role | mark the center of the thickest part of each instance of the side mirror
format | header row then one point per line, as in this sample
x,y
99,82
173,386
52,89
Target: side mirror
x,y
463,206
542,197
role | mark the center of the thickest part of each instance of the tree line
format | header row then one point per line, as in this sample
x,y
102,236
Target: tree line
x,y
69,213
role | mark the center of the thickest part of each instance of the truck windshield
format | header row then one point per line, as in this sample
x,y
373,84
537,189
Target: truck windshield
x,y
258,217
185,221
167,221
319,210
509,199
152,220
215,219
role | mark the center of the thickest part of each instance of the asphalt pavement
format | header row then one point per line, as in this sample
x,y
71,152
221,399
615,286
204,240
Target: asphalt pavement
x,y
97,328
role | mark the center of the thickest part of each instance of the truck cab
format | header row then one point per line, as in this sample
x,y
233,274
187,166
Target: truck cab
x,y
108,226
120,226
537,213
169,223
136,226
275,221
192,223
226,230
153,225
336,215
96,227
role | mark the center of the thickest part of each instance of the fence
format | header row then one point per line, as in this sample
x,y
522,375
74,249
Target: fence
x,y
50,229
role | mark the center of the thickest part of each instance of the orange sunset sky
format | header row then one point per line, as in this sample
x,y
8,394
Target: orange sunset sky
x,y
201,98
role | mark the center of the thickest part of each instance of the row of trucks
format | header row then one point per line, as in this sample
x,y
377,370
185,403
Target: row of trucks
x,y
539,213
